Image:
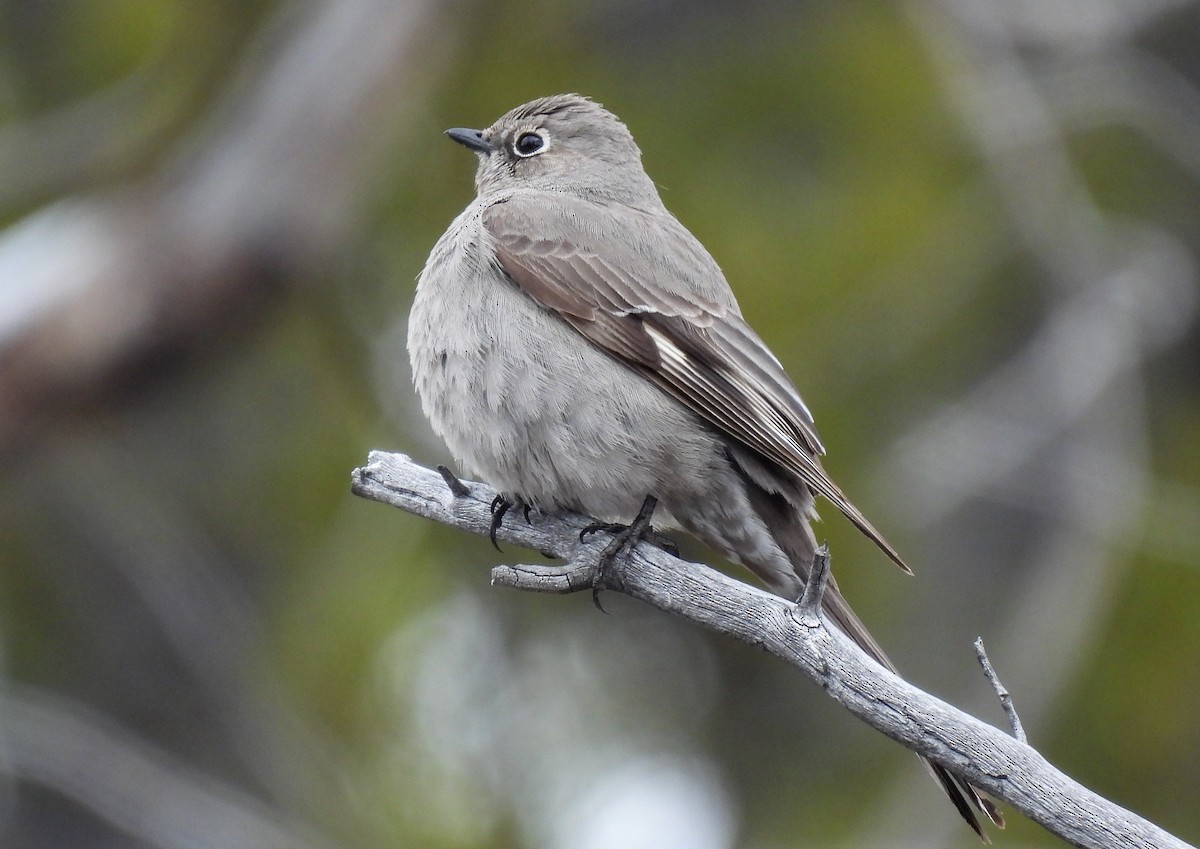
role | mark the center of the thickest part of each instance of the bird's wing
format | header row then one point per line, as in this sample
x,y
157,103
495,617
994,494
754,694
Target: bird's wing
x,y
643,289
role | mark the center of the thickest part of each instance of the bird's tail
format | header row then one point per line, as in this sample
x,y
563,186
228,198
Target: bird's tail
x,y
788,524
966,798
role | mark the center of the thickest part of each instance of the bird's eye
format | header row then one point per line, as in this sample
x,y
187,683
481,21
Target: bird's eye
x,y
529,144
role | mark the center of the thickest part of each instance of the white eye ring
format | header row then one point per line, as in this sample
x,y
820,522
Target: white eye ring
x,y
530,143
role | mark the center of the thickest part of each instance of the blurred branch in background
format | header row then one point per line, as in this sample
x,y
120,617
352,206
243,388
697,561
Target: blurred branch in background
x,y
141,790
97,289
190,591
78,141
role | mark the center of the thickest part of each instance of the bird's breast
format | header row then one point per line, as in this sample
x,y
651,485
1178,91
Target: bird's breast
x,y
523,400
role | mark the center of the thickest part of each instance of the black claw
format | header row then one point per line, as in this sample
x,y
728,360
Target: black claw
x,y
460,489
500,506
596,527
527,509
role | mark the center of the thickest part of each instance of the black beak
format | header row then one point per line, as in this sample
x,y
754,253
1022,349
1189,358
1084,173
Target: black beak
x,y
470,138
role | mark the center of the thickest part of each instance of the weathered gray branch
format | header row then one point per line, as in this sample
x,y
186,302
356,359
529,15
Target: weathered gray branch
x,y
1003,766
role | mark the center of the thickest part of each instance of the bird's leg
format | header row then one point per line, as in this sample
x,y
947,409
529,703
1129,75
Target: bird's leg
x,y
625,539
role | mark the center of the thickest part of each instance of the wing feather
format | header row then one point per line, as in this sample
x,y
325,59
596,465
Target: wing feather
x,y
643,289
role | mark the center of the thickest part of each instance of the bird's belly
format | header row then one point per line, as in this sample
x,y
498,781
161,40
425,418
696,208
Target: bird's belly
x,y
541,414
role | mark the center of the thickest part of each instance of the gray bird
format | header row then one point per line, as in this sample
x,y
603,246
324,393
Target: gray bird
x,y
579,349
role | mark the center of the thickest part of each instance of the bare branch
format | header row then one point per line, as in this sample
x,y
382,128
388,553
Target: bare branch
x,y
987,757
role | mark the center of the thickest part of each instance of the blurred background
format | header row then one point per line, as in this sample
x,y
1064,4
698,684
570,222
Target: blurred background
x,y
968,229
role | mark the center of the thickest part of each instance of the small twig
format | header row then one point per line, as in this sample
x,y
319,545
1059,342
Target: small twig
x,y
1002,693
460,489
808,609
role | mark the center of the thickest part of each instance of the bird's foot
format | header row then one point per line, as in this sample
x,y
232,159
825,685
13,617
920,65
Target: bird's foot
x,y
625,539
649,535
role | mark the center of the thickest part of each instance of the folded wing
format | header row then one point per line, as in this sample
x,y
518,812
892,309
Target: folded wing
x,y
642,288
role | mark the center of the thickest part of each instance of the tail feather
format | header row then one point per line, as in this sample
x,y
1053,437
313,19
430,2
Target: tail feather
x,y
967,799
820,482
784,509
